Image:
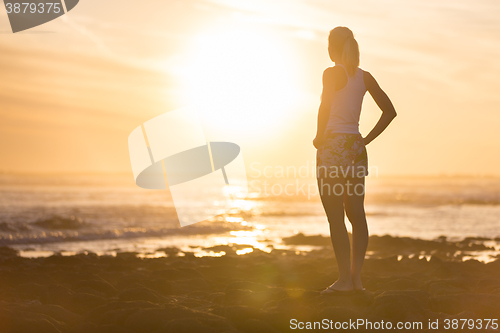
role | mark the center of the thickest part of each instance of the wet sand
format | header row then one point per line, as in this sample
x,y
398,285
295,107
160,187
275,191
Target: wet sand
x,y
255,292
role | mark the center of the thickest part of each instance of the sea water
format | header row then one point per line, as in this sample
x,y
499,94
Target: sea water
x,y
44,214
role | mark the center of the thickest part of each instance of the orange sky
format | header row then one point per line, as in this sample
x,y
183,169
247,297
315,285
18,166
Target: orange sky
x,y
73,89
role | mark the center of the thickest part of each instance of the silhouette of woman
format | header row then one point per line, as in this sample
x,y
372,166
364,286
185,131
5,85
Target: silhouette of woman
x,y
341,160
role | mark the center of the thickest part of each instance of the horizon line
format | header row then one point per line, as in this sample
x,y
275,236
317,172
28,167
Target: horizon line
x,y
123,173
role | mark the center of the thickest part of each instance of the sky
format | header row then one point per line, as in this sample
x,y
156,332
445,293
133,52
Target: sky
x,y
73,89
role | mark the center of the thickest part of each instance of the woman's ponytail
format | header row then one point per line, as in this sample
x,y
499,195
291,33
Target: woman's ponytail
x,y
343,47
350,54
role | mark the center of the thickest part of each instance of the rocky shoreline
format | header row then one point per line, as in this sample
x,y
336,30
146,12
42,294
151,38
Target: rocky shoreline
x,y
255,292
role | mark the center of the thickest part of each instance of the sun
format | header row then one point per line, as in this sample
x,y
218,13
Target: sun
x,y
242,79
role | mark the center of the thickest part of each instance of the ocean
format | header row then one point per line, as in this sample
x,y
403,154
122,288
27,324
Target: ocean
x,y
45,214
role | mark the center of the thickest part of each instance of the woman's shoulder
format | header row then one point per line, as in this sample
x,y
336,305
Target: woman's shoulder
x,y
366,73
334,70
368,79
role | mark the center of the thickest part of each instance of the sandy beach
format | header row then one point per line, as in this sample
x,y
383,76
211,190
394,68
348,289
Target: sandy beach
x,y
254,292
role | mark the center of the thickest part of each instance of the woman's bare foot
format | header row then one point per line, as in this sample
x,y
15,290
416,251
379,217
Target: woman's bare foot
x,y
357,285
341,285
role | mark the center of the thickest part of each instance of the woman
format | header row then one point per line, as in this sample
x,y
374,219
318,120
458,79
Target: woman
x,y
342,161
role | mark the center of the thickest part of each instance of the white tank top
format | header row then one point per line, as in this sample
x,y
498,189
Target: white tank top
x,y
346,105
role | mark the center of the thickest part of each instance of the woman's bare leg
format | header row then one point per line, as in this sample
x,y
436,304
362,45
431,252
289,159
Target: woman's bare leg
x,y
355,211
331,192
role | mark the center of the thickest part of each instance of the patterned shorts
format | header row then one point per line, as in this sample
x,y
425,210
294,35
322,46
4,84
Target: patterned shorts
x,y
342,155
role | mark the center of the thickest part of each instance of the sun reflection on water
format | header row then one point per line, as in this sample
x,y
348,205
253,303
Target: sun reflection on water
x,y
244,251
209,254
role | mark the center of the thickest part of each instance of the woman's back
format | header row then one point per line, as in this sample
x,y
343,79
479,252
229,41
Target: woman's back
x,y
346,104
342,159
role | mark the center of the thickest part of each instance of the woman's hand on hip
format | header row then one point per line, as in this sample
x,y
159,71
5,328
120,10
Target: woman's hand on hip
x,y
318,141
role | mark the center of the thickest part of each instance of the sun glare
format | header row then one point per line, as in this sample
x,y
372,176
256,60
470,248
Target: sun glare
x,y
240,78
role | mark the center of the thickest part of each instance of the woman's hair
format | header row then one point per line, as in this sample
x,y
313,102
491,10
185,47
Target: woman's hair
x,y
343,46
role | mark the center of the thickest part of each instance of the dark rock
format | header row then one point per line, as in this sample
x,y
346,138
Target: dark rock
x,y
99,314
30,290
87,327
12,321
484,305
112,329
53,311
117,317
239,313
362,299
127,255
176,274
81,303
462,315
247,297
191,285
337,313
130,278
84,327
138,293
87,290
8,252
247,285
420,295
147,320
301,239
57,295
442,288
256,326
396,307
169,251
280,315
436,260
58,259
101,286
399,284
487,286
188,325
159,285
228,249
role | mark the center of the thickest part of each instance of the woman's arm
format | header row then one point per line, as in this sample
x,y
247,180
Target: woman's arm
x,y
325,106
383,102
